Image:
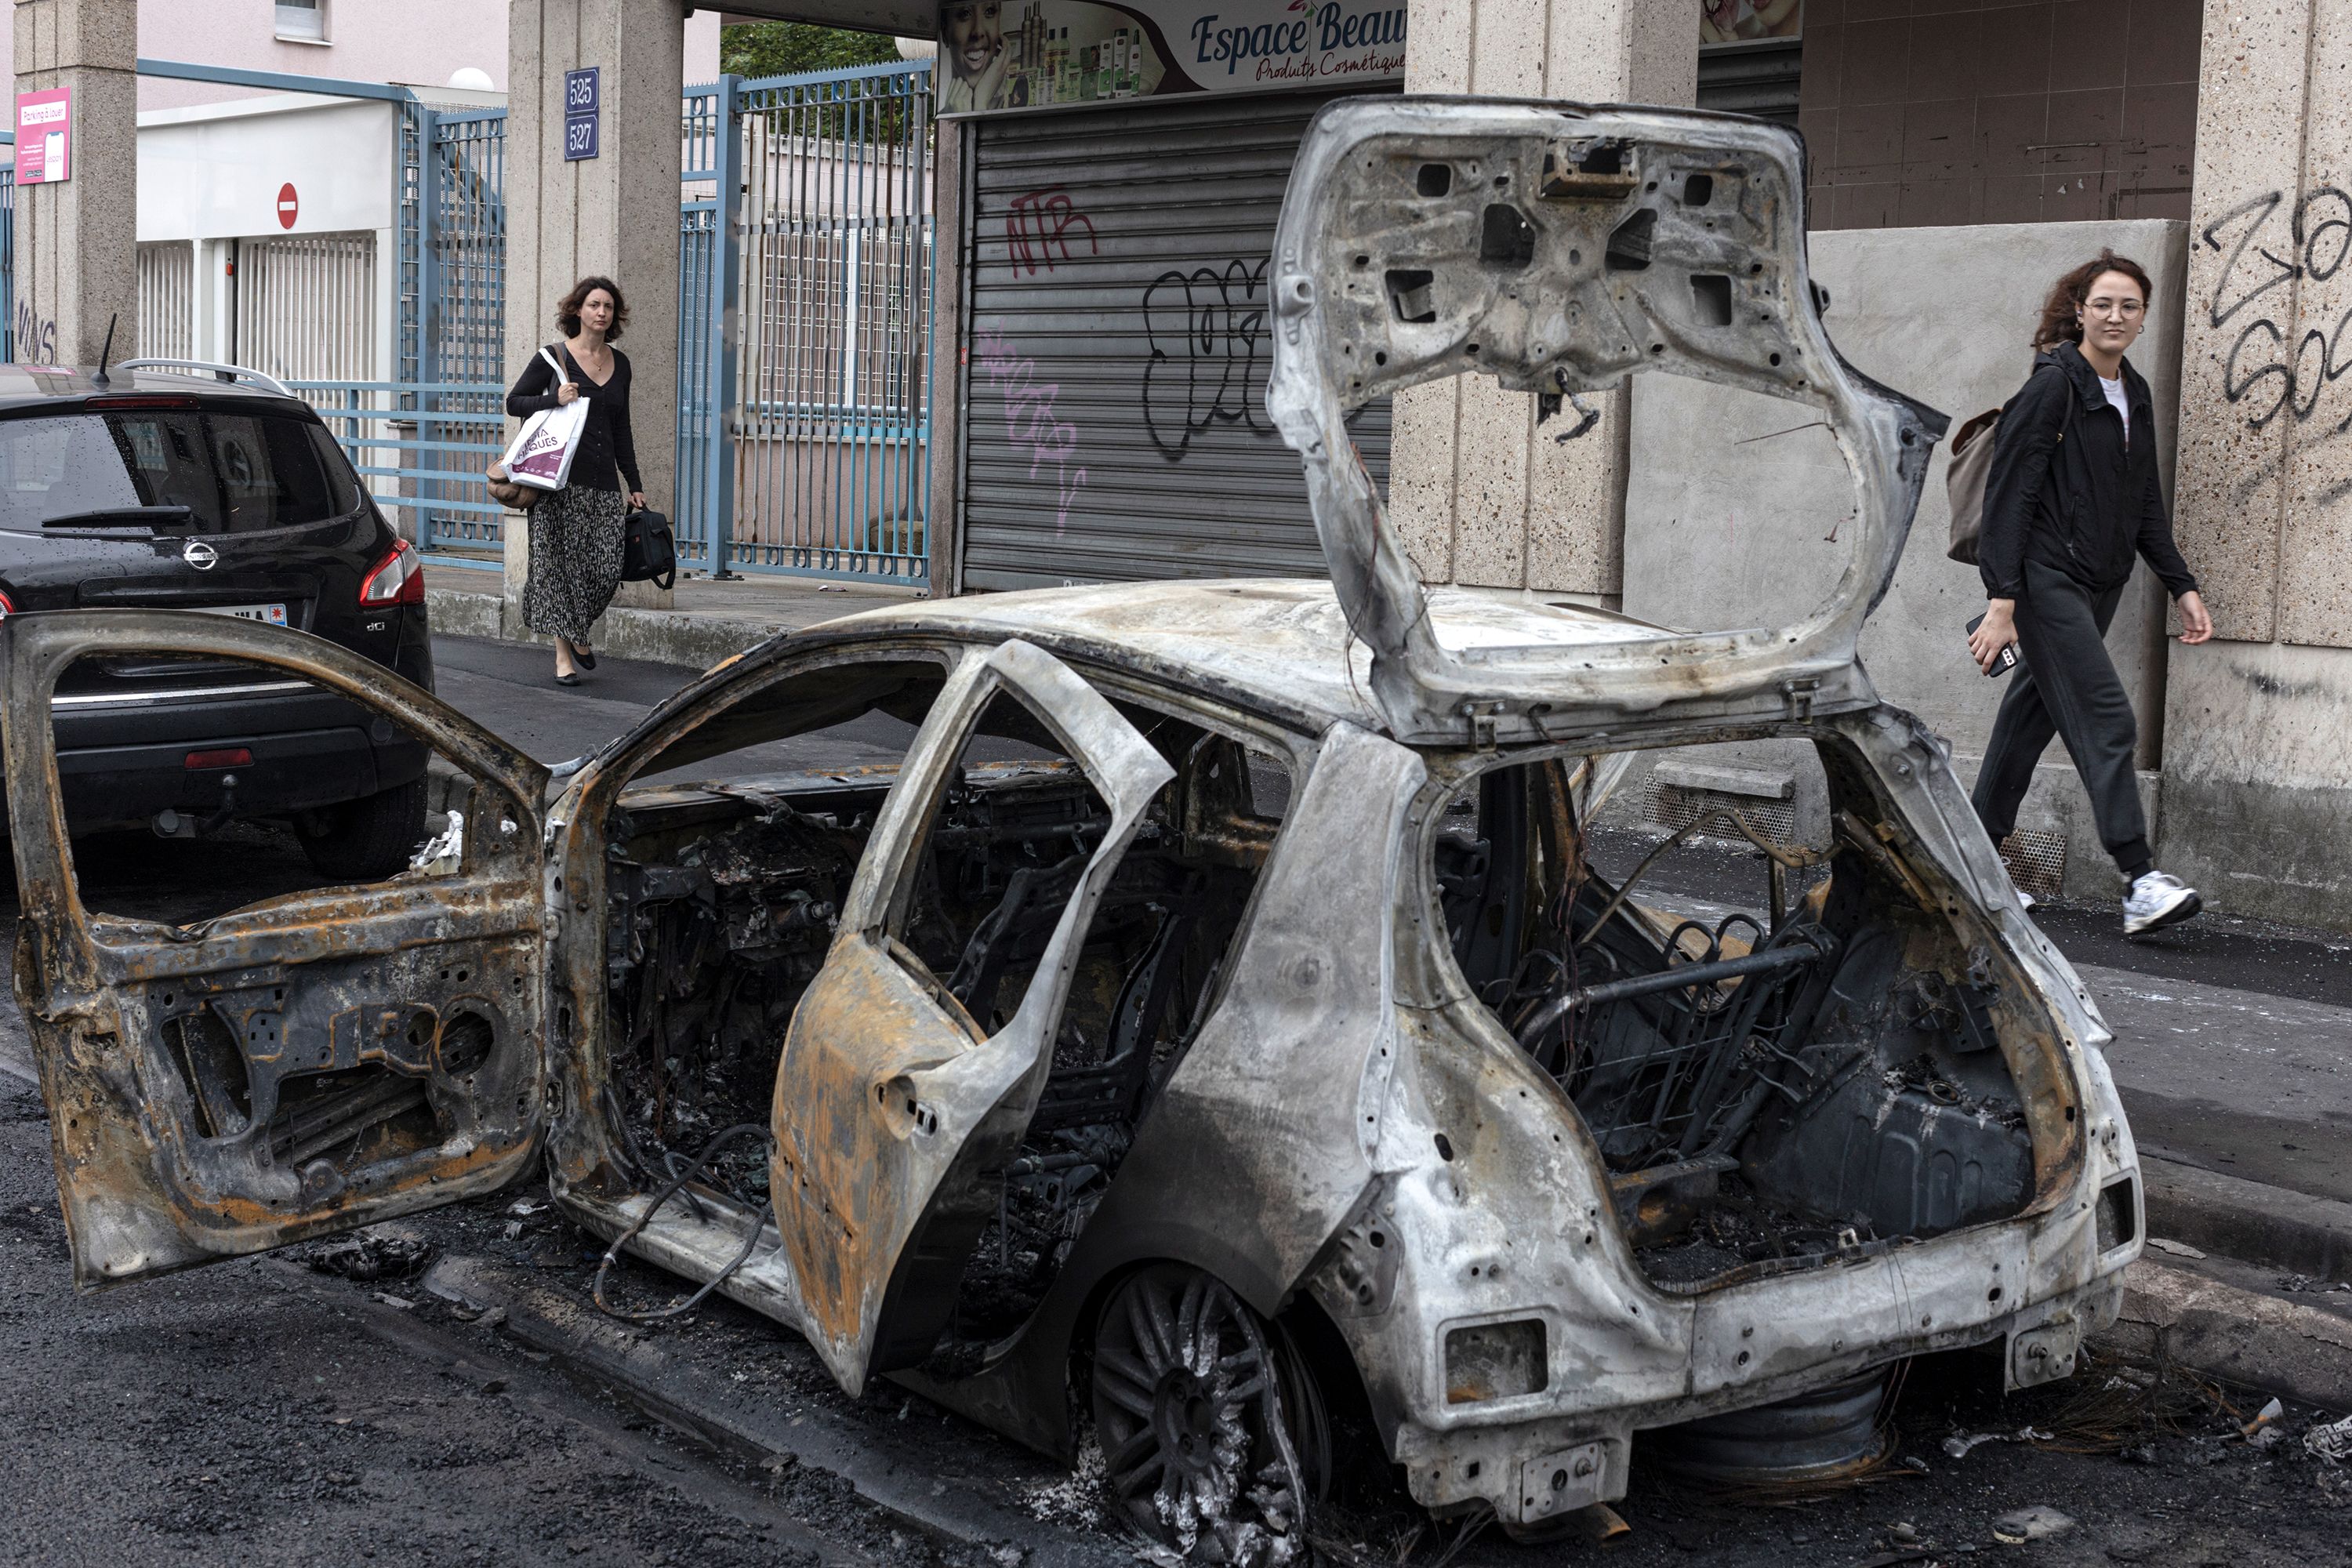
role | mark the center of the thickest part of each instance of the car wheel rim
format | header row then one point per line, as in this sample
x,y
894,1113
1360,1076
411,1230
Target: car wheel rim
x,y
1189,1409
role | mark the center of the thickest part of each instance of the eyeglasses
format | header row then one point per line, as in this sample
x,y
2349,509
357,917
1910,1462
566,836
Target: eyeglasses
x,y
2126,309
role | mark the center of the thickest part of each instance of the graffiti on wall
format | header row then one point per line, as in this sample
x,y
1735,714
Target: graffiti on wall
x,y
1031,424
37,336
1202,328
1039,227
2263,375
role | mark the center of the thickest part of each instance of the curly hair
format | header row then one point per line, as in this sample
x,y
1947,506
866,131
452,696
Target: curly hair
x,y
567,309
2061,313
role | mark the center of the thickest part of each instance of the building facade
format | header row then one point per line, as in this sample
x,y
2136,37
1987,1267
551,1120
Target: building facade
x,y
2207,144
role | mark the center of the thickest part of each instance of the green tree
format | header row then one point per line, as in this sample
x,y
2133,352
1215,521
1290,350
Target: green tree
x,y
787,48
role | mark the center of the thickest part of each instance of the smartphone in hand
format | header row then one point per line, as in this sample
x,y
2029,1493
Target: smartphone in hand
x,y
2008,659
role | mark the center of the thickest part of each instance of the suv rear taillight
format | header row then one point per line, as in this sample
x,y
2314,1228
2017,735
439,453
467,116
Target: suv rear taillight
x,y
397,579
8,605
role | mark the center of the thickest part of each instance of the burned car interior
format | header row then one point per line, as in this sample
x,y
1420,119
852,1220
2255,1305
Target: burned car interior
x,y
1765,1090
723,901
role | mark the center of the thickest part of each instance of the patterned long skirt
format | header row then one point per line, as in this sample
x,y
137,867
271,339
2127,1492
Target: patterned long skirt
x,y
576,540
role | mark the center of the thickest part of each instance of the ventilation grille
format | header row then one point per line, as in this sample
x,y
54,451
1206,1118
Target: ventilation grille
x,y
2036,861
1676,806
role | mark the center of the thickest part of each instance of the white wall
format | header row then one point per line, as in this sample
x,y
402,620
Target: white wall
x,y
215,170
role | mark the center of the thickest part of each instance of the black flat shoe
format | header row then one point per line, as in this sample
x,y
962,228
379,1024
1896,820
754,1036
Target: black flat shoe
x,y
582,657
567,680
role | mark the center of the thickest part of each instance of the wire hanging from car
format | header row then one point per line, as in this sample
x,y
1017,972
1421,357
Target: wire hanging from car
x,y
763,1216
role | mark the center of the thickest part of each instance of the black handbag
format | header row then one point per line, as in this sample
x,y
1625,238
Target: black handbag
x,y
649,551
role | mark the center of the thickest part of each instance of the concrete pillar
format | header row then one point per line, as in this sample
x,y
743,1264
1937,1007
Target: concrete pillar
x,y
76,240
2258,781
1480,496
615,214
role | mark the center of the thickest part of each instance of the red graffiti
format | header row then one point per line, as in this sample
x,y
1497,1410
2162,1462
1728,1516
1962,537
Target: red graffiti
x,y
1042,222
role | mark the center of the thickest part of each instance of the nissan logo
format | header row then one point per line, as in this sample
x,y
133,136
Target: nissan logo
x,y
199,555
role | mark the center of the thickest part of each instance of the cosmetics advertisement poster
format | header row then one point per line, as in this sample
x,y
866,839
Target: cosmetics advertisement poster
x,y
1749,21
997,55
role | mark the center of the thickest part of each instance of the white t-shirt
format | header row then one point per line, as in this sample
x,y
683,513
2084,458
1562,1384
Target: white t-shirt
x,y
2115,391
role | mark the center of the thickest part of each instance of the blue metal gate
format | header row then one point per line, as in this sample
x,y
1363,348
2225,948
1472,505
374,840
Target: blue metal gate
x,y
8,259
812,329
804,313
424,437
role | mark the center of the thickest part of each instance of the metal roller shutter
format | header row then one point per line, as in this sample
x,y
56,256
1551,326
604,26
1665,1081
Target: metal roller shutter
x,y
1116,424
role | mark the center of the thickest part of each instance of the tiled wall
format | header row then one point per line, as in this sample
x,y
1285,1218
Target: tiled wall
x,y
1954,111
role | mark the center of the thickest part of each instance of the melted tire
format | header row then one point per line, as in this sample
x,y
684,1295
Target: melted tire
x,y
1205,1414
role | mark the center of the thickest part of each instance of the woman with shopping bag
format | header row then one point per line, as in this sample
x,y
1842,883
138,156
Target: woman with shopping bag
x,y
576,447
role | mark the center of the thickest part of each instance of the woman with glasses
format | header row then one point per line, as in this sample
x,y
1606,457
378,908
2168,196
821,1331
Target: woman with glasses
x,y
2070,501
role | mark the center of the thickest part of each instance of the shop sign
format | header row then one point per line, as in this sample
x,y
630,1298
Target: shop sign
x,y
1028,54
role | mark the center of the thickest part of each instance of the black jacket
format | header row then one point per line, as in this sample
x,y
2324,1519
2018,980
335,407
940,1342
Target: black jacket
x,y
606,441
2067,491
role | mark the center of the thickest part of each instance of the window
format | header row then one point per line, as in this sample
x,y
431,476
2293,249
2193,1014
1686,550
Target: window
x,y
304,20
172,471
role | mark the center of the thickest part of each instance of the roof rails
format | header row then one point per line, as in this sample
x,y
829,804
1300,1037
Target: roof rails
x,y
232,372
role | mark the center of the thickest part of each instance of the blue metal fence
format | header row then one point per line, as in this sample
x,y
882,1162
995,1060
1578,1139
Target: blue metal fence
x,y
832,323
805,308
9,258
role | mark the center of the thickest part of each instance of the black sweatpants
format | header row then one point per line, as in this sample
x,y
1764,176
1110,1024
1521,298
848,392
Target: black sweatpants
x,y
2066,685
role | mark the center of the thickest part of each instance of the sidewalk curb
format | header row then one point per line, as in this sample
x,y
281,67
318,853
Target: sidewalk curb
x,y
2248,1221
684,637
2258,1340
954,1509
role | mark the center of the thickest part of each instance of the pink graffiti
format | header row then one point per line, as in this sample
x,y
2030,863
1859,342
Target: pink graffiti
x,y
1029,417
1040,222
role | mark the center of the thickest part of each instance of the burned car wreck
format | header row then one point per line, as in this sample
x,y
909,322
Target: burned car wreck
x,y
1215,1018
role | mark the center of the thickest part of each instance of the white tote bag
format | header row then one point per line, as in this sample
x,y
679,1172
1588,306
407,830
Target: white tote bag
x,y
542,453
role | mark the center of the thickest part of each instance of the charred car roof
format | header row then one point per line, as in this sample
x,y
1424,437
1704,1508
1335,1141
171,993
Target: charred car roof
x,y
1281,645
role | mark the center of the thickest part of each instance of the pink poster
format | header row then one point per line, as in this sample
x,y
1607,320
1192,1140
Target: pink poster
x,y
44,136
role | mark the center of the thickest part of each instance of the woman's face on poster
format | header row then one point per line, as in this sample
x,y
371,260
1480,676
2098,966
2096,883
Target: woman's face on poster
x,y
973,32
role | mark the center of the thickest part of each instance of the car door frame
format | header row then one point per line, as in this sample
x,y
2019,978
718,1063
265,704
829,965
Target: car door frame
x,y
144,1191
1082,717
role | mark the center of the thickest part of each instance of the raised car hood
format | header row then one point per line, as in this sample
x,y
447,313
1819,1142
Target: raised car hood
x,y
1557,248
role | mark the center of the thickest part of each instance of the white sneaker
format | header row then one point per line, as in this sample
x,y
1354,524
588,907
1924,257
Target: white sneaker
x,y
2155,900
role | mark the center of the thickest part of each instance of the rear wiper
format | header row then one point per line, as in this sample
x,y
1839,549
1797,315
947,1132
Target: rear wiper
x,y
146,517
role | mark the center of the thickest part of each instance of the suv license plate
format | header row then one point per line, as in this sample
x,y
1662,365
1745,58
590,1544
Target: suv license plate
x,y
275,615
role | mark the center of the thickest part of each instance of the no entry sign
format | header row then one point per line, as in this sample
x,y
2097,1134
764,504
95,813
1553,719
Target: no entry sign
x,y
290,205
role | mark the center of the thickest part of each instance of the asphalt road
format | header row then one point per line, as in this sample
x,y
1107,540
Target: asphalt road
x,y
262,1411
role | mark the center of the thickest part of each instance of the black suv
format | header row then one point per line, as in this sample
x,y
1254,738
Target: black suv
x,y
192,491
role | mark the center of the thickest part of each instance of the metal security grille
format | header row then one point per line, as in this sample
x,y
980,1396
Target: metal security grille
x,y
167,286
1676,807
1115,391
305,306
2036,860
825,183
1759,78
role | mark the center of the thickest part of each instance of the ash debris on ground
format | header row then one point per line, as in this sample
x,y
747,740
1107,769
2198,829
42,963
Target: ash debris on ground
x,y
370,1257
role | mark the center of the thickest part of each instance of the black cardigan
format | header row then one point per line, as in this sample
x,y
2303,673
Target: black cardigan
x,y
606,442
2068,490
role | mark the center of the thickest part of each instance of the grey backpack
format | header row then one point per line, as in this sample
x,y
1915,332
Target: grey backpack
x,y
1964,482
